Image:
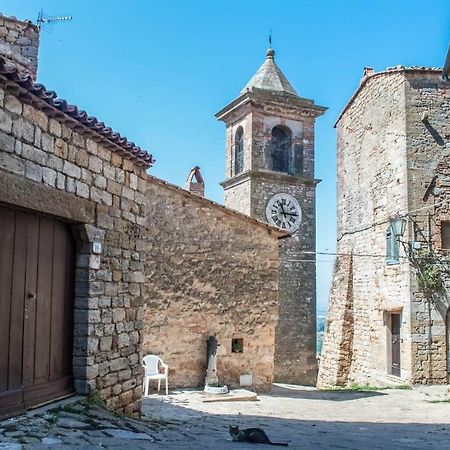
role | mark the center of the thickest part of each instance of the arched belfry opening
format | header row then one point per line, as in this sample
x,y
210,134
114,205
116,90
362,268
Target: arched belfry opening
x,y
239,151
280,146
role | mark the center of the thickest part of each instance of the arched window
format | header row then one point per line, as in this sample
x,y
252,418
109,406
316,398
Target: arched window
x,y
280,149
239,151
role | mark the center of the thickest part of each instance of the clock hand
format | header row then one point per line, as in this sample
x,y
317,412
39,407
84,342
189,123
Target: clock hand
x,y
283,211
291,214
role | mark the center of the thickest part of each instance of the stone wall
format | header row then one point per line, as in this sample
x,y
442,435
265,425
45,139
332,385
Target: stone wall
x,y
19,43
48,167
249,192
338,337
295,347
387,158
372,178
428,144
209,272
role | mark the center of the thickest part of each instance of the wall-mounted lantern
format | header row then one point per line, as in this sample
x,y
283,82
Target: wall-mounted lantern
x,y
398,226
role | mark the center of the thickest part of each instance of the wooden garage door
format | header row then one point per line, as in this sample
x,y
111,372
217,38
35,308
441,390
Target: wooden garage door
x,y
36,310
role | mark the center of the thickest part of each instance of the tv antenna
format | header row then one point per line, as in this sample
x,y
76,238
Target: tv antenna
x,y
42,18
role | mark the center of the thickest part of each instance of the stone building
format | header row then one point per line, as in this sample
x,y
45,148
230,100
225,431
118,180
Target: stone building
x,y
101,261
72,224
211,271
270,176
393,143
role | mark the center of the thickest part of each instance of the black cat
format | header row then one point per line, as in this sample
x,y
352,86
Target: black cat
x,y
254,435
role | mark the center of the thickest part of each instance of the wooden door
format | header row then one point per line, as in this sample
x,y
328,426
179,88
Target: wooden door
x,y
36,310
395,344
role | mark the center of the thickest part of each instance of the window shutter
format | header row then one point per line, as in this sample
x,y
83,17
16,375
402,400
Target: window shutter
x,y
388,245
392,248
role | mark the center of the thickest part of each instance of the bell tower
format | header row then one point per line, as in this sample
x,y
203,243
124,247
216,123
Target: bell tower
x,y
270,176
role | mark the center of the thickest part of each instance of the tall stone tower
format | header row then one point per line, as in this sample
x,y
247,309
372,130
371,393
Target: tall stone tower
x,y
270,176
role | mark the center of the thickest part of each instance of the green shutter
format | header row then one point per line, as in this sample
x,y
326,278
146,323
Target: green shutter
x,y
392,248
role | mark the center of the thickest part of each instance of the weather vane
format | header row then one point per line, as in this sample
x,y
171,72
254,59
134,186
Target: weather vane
x,y
270,38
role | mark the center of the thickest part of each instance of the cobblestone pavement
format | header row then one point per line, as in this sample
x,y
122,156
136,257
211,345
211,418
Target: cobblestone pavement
x,y
303,417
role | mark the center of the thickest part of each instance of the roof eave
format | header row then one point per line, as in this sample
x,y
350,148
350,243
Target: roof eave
x,y
261,95
365,80
242,100
277,232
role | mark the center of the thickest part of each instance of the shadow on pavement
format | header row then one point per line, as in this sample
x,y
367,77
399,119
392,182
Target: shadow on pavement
x,y
314,394
184,427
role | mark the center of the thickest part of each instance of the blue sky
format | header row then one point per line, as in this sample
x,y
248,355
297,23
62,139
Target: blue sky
x,y
157,71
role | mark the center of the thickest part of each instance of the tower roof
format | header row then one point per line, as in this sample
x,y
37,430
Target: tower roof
x,y
269,77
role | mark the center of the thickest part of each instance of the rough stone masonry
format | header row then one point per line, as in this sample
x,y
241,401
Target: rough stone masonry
x,y
210,272
51,163
269,102
393,140
19,44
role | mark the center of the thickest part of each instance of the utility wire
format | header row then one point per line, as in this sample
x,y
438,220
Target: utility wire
x,y
373,225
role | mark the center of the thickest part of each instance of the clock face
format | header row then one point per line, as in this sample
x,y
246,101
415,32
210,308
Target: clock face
x,y
284,212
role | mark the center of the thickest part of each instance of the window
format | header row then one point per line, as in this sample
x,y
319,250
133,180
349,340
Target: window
x,y
237,345
445,235
239,151
280,149
392,248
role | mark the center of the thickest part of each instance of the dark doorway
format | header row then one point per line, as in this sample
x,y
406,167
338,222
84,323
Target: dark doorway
x,y
36,310
395,344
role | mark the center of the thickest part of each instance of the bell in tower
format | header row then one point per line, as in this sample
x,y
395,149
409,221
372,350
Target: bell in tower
x,y
269,175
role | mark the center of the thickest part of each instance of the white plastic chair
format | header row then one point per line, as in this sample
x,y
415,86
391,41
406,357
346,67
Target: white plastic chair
x,y
151,365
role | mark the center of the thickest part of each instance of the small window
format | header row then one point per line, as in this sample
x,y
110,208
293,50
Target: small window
x,y
239,151
237,345
392,248
280,149
445,235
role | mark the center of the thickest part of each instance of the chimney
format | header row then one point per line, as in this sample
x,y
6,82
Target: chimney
x,y
19,43
198,186
368,71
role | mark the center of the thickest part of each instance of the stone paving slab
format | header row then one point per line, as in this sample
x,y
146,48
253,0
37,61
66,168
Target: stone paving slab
x,y
303,417
312,419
